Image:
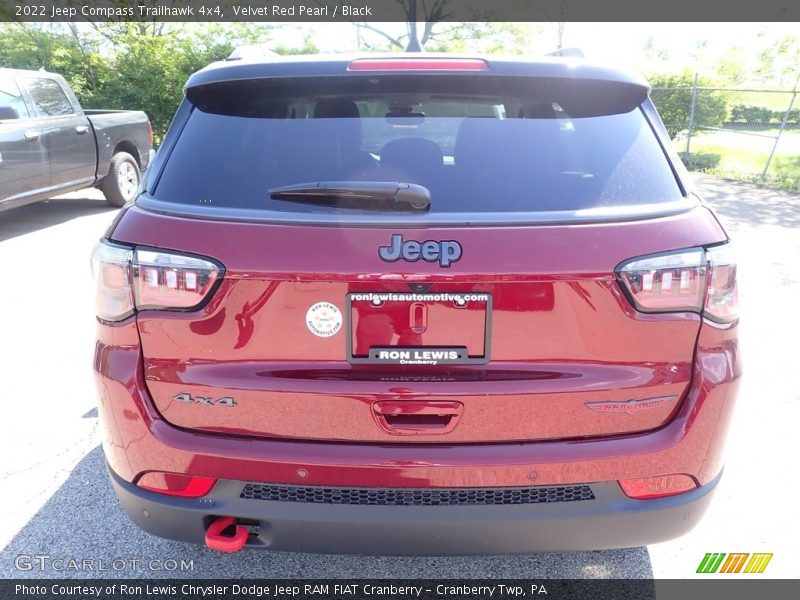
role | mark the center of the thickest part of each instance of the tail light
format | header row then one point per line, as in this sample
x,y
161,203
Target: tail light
x,y
111,270
693,280
166,280
657,487
130,279
150,132
666,282
175,484
722,296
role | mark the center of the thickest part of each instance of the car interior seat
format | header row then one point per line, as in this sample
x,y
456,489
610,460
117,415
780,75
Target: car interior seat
x,y
413,160
345,132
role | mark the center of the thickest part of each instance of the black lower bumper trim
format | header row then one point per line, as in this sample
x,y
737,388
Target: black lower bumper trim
x,y
318,494
610,520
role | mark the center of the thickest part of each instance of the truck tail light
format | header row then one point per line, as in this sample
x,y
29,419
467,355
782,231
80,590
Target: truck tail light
x,y
130,279
150,132
657,487
418,64
693,280
175,484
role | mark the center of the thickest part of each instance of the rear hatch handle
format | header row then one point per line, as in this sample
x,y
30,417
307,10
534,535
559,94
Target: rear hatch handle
x,y
414,417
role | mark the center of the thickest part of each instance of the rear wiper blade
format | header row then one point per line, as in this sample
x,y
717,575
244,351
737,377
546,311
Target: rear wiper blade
x,y
378,195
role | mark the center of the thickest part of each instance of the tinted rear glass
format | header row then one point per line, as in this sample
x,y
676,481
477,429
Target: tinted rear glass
x,y
499,145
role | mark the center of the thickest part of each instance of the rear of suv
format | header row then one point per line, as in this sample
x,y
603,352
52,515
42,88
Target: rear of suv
x,y
416,305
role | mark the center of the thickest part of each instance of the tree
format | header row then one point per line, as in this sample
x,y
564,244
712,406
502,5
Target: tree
x,y
778,62
57,49
481,37
431,13
308,47
672,96
118,65
426,23
154,67
731,67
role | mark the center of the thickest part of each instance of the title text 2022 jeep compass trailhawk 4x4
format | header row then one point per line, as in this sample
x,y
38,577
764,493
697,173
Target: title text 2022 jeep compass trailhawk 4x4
x,y
416,304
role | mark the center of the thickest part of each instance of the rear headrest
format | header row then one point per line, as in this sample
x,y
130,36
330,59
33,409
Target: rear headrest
x,y
404,152
537,110
478,137
416,160
348,130
506,147
338,108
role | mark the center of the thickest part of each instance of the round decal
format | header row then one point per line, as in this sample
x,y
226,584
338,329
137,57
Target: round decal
x,y
324,319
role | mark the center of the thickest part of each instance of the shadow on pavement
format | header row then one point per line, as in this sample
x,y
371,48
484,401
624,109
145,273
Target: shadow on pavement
x,y
741,204
83,520
40,215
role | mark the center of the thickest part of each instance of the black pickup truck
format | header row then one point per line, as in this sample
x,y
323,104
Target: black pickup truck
x,y
49,145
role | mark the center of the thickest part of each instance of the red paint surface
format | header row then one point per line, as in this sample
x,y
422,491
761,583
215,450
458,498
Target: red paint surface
x,y
562,335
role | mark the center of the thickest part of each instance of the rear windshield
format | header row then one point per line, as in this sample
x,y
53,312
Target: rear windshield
x,y
479,145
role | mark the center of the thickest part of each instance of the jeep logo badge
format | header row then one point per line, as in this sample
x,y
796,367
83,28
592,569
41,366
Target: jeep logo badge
x,y
445,253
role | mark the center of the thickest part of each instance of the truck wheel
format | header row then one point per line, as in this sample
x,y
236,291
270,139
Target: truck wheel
x,y
122,181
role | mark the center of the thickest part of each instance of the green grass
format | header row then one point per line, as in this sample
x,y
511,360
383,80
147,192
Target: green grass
x,y
743,157
775,101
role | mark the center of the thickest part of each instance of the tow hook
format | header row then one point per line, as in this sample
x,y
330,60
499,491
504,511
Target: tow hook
x,y
226,543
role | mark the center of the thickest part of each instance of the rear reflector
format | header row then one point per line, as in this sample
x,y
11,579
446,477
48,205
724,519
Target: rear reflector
x,y
174,484
693,280
130,279
657,487
418,64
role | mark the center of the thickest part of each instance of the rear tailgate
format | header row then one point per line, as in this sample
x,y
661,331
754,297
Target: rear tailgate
x,y
467,322
563,352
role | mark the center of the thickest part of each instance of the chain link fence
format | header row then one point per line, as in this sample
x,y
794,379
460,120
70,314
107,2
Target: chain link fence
x,y
749,134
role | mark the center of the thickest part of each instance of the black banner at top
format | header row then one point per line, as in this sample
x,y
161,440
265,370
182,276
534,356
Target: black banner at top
x,y
284,11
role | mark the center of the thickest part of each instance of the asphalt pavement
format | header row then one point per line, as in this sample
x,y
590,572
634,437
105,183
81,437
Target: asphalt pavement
x,y
58,505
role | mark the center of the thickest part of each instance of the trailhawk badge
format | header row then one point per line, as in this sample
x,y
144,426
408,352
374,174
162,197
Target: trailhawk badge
x,y
324,319
630,407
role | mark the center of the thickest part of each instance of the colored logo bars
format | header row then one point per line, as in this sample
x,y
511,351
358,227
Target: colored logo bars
x,y
734,563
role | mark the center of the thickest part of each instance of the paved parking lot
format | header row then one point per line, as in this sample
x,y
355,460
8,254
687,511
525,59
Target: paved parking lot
x,y
57,501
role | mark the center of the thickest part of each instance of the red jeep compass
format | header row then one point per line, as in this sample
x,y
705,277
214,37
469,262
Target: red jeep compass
x,y
416,305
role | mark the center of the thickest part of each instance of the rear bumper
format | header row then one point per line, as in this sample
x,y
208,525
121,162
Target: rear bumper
x,y
610,520
138,440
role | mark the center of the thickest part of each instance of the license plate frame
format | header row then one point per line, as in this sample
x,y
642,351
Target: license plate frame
x,y
465,359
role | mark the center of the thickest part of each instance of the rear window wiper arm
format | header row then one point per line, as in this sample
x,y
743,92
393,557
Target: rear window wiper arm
x,y
377,195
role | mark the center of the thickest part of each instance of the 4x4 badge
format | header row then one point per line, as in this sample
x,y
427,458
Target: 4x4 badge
x,y
205,400
443,252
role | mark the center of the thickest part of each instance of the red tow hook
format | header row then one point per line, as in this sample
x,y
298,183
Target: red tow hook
x,y
225,543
